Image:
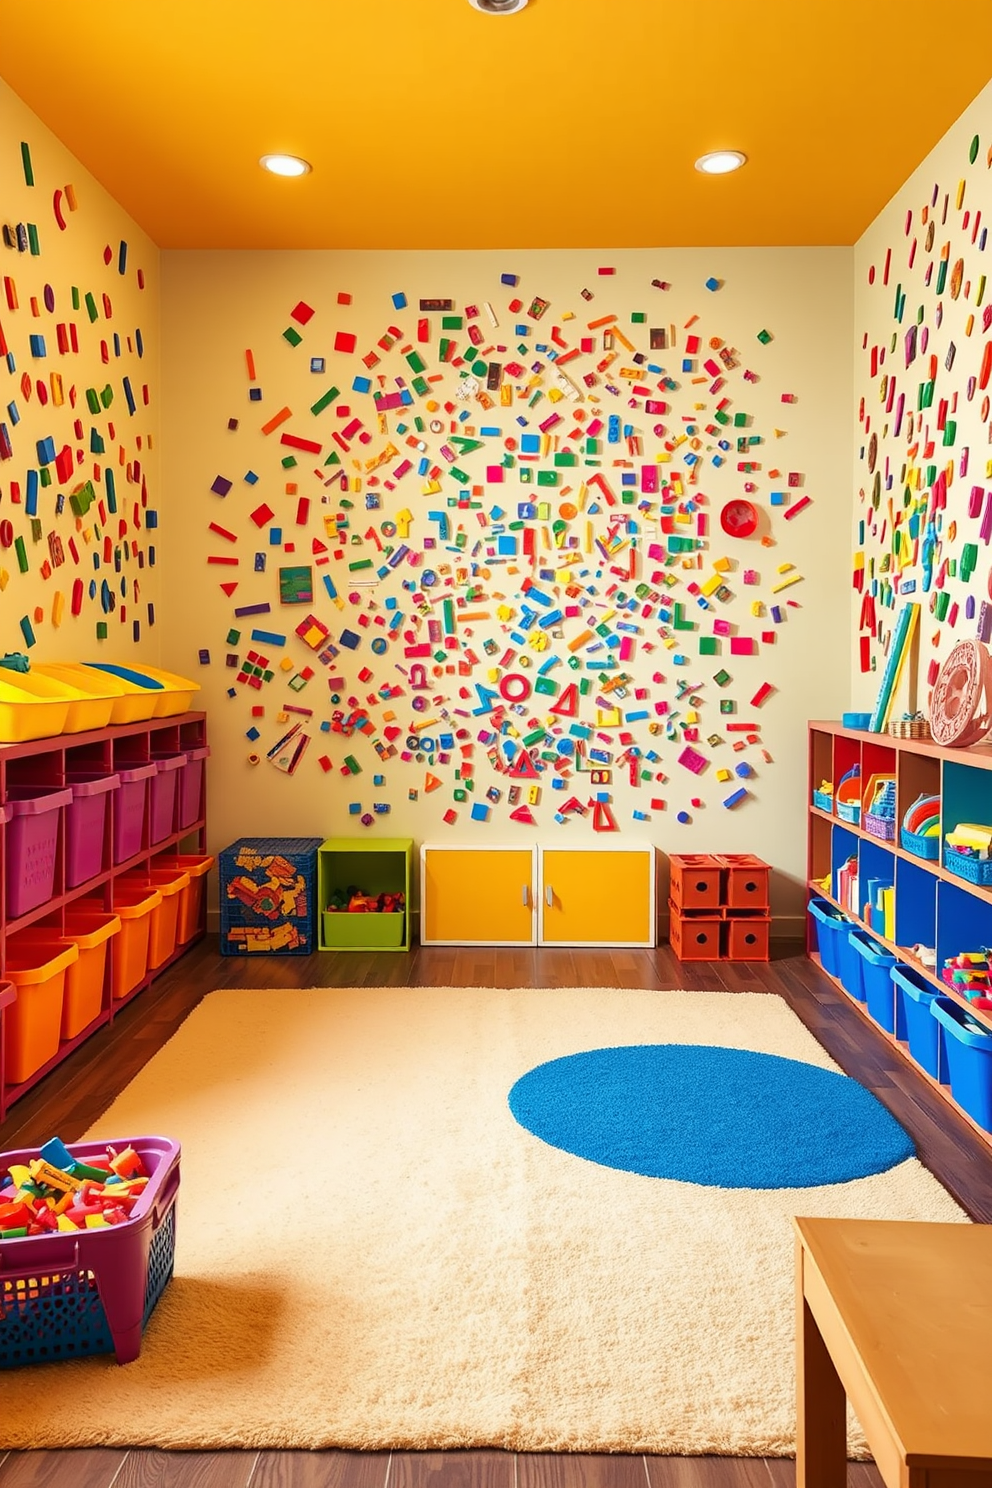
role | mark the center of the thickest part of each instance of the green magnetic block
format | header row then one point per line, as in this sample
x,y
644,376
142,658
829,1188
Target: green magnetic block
x,y
952,567
727,705
233,637
22,555
942,604
574,663
592,446
443,347
536,398
950,431
679,621
97,446
106,396
93,400
101,630
740,420
534,737
523,348
931,475
288,462
324,400
628,497
722,416
585,686
681,544
942,275
415,361
545,685
764,337
709,646
451,501
359,564
333,459
566,457
91,309
460,476
927,394
452,322
33,243
547,477
460,795
418,424
45,476
481,369
638,317
721,678
26,163
440,656
36,529
461,538
292,335
267,676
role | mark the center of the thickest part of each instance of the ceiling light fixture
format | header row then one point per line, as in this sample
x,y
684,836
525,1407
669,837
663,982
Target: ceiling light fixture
x,y
498,7
285,165
720,162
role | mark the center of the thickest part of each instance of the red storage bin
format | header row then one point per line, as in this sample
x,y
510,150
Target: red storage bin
x,y
694,938
747,881
747,938
85,821
130,805
32,840
695,880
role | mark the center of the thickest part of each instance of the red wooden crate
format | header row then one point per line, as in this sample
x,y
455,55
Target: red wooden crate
x,y
694,937
747,938
747,881
695,880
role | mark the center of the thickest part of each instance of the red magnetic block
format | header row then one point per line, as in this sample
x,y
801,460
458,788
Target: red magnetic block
x,y
262,514
302,313
344,341
343,297
310,446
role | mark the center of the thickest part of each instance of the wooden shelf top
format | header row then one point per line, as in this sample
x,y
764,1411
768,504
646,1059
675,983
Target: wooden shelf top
x,y
978,755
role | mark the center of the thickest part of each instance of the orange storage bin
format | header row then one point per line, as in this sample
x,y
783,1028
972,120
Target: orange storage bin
x,y
695,880
170,884
694,937
191,898
747,881
747,938
91,930
36,965
133,903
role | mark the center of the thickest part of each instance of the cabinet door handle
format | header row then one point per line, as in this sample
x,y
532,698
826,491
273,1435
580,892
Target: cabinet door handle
x,y
549,896
525,895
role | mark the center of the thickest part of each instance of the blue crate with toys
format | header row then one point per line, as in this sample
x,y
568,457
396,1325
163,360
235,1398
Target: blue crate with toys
x,y
968,852
849,796
268,896
920,830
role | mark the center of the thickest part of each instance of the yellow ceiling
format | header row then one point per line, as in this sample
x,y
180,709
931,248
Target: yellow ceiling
x,y
574,123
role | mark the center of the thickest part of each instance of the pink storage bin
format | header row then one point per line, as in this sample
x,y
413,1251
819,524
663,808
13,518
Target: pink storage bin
x,y
129,810
164,789
90,1291
191,786
85,820
32,838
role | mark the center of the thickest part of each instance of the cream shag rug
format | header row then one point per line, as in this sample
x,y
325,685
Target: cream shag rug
x,y
372,1253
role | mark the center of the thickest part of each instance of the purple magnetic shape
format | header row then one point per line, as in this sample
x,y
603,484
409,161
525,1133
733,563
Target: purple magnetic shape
x,y
969,607
221,485
985,622
255,609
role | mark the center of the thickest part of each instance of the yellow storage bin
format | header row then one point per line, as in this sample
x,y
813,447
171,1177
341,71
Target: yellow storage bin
x,y
169,694
197,865
170,884
95,710
37,966
133,903
134,700
90,929
32,707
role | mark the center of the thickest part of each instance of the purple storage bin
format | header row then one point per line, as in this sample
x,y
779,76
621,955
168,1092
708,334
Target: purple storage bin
x,y
190,786
91,1291
129,810
32,836
85,820
163,794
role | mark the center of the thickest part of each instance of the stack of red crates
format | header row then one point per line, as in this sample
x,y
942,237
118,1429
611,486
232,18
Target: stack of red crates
x,y
719,907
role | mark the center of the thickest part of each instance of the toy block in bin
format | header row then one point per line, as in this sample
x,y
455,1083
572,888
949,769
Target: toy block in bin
x,y
72,1293
268,896
694,936
747,938
747,881
695,882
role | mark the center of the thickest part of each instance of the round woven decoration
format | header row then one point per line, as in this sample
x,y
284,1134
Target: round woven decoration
x,y
961,701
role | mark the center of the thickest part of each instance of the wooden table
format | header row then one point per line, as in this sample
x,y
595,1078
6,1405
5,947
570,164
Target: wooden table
x,y
897,1317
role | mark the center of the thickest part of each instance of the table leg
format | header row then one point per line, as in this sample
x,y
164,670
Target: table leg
x,y
821,1405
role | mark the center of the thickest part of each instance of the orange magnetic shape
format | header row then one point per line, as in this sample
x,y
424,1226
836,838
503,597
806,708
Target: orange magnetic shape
x,y
276,420
431,783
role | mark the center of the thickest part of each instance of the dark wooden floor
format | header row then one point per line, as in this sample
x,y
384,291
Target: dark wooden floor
x,y
72,1098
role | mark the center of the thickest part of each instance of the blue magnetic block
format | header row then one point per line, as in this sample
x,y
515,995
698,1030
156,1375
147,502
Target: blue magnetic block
x,y
12,413
255,395
37,346
46,450
354,808
530,444
350,639
252,734
361,385
510,279
480,811
712,284
268,638
399,300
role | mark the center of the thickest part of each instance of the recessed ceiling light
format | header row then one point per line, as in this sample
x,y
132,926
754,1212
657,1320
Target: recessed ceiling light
x,y
498,7
285,165
720,162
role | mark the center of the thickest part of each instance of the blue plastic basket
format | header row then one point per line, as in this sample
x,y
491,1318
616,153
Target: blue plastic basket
x,y
975,870
823,800
924,1033
849,811
851,964
830,926
969,1061
268,893
876,979
919,845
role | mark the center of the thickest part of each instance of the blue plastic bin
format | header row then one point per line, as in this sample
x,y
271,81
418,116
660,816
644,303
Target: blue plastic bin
x,y
876,979
851,964
830,926
969,1061
925,1034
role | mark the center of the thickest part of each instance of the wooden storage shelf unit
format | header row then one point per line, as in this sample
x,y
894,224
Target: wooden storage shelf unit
x,y
53,763
931,905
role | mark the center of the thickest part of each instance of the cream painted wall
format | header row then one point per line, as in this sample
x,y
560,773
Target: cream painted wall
x,y
950,321
74,258
217,305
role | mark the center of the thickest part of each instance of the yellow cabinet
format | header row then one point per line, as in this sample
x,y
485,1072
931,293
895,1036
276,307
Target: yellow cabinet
x,y
477,896
537,896
597,896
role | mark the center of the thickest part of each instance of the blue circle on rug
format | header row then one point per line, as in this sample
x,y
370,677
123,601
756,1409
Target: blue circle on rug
x,y
722,1118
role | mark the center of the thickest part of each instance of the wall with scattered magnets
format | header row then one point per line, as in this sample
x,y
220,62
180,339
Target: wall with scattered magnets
x,y
476,546
79,334
923,454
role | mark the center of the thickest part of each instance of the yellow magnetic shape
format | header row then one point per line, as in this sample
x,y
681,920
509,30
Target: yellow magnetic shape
x,y
608,718
722,775
785,568
543,511
692,716
282,717
533,795
722,565
537,641
493,674
287,664
959,199
355,486
555,395
58,607
388,716
792,579
505,612
757,608
403,519
4,579
430,488
711,585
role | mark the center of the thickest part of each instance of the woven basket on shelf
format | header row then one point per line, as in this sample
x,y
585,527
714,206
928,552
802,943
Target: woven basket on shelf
x,y
910,728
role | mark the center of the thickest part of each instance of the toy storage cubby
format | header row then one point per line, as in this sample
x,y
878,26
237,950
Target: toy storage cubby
x,y
85,876
719,907
903,892
374,866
